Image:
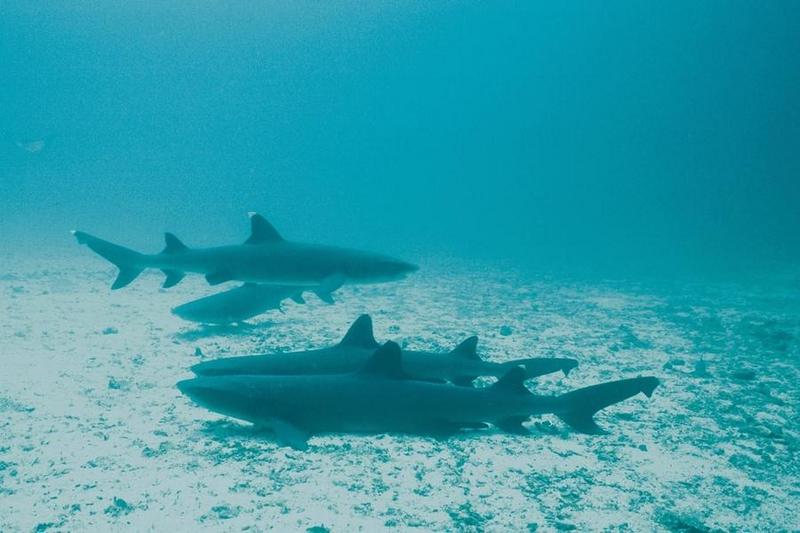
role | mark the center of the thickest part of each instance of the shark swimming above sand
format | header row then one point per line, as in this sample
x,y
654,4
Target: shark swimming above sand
x,y
379,398
265,257
461,366
240,303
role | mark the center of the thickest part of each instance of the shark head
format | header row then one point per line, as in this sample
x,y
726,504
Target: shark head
x,y
378,269
219,394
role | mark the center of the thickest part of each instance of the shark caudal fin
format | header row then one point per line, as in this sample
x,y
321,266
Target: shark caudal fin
x,y
580,406
128,261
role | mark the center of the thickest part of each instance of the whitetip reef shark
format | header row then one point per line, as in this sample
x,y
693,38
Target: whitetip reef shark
x,y
240,303
461,366
265,257
379,398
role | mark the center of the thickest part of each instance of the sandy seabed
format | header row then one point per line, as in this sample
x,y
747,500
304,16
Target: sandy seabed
x,y
95,436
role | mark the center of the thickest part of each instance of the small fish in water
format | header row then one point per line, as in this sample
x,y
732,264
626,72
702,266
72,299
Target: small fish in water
x,y
34,146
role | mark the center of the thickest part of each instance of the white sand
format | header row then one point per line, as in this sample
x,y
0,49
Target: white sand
x,y
95,436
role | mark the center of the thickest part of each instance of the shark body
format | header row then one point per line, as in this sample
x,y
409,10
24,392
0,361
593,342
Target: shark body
x,y
461,366
238,304
379,398
264,258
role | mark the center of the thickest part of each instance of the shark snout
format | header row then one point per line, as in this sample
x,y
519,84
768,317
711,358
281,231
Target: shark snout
x,y
203,391
190,387
397,268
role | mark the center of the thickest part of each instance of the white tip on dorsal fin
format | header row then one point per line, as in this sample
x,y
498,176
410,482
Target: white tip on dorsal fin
x,y
467,349
174,244
386,362
360,334
261,231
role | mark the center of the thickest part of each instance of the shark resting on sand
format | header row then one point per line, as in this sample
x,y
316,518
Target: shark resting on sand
x,y
461,366
265,257
379,398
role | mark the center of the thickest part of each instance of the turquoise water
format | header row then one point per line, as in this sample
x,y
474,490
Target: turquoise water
x,y
614,183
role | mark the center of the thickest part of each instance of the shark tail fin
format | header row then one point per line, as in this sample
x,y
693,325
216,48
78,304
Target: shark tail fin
x,y
579,406
128,261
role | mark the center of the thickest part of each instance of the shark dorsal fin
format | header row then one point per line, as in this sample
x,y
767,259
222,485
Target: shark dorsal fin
x,y
467,349
386,362
360,334
261,231
513,381
174,244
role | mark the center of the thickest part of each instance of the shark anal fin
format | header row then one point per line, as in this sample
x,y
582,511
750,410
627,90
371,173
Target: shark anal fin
x,y
513,424
173,278
360,334
215,278
290,435
261,231
325,296
125,277
298,298
467,349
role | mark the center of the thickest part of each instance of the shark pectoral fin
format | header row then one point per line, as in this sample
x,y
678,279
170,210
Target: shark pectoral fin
x,y
290,435
125,277
215,278
582,422
463,381
173,278
513,424
329,285
298,298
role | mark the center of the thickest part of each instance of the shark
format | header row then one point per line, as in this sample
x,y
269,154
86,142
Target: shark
x,y
265,257
240,303
460,367
379,398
